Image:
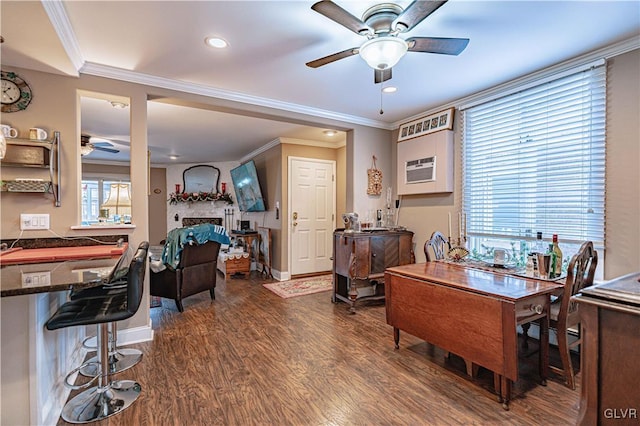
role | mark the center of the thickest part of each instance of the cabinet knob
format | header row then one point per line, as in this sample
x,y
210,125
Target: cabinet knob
x,y
373,255
538,309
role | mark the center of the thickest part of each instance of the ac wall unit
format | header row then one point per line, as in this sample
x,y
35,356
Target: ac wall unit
x,y
416,159
420,170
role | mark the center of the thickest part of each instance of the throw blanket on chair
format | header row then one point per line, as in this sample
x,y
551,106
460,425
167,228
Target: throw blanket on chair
x,y
177,238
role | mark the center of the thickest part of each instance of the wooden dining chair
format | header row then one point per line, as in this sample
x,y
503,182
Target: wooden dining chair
x,y
563,313
439,245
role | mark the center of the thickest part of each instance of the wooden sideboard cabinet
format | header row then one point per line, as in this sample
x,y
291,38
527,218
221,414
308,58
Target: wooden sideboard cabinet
x,y
610,355
359,261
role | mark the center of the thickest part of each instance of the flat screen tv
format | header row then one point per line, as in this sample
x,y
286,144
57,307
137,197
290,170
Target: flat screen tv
x,y
247,188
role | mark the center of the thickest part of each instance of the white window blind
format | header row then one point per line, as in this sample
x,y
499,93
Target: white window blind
x,y
534,161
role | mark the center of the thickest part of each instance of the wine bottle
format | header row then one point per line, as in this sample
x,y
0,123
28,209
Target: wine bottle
x,y
539,246
551,273
556,250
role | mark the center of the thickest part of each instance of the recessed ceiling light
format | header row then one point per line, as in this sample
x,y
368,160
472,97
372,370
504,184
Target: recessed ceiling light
x,y
216,42
330,132
117,104
390,89
174,157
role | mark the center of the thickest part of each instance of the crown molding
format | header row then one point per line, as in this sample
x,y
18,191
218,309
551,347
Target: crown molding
x,y
320,144
260,150
61,24
99,70
605,53
291,141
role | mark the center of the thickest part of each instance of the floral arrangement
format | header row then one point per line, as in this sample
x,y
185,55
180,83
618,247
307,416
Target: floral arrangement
x,y
182,197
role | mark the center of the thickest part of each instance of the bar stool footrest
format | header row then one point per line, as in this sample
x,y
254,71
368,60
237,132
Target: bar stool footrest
x,y
123,359
95,365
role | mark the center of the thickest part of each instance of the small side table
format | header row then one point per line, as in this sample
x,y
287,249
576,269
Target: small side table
x,y
248,240
230,264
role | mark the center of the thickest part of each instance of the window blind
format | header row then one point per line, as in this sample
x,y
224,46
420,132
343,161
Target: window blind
x,y
534,161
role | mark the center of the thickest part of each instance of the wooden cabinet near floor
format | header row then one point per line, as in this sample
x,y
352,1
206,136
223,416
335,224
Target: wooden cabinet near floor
x,y
610,355
359,261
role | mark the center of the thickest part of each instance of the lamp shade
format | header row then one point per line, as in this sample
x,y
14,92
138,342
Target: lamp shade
x,y
119,198
383,52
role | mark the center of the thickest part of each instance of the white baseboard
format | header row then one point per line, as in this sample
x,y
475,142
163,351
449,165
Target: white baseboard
x,y
280,276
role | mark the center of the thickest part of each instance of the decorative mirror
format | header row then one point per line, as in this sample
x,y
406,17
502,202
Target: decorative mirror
x,y
201,179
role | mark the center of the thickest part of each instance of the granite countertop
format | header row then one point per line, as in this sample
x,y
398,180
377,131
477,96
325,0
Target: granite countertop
x,y
16,280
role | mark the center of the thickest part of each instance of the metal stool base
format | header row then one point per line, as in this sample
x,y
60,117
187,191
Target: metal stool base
x,y
91,405
123,359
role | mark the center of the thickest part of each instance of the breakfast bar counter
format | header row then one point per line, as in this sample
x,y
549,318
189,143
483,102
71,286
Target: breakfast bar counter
x,y
60,268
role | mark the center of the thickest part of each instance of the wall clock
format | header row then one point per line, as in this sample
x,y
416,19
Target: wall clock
x,y
16,93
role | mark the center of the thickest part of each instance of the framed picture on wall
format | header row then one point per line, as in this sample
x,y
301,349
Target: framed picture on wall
x,y
442,120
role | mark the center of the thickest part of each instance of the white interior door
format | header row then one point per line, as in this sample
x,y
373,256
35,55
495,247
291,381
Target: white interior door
x,y
311,219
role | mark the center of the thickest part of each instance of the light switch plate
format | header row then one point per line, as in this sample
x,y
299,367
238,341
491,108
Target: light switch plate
x,y
29,222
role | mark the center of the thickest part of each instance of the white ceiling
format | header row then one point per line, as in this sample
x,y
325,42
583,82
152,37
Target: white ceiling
x,y
270,42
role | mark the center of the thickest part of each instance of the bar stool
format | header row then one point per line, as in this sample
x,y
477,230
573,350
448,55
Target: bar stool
x,y
107,397
120,359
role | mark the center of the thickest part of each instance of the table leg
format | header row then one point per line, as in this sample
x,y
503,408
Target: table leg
x,y
353,295
525,335
396,337
544,346
496,386
505,392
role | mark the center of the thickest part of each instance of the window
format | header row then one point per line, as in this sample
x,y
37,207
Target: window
x,y
534,161
95,192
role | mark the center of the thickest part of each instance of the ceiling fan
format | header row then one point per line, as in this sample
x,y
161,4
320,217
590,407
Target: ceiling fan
x,y
382,24
88,144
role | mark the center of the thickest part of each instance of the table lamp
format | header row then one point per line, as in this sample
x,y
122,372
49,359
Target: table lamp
x,y
120,200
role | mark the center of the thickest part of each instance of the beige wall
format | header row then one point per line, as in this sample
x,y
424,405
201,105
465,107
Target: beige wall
x,y
622,208
424,214
158,205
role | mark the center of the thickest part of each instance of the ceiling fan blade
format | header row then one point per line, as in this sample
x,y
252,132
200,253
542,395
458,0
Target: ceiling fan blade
x,y
331,58
380,76
101,148
415,13
101,144
444,46
341,16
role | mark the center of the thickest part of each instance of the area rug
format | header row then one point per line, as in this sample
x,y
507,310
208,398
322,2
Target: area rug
x,y
302,286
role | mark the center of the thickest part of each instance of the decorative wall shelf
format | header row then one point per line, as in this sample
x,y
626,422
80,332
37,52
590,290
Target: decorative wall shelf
x,y
34,154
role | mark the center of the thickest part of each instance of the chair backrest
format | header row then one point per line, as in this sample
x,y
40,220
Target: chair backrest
x,y
439,244
196,254
580,273
135,278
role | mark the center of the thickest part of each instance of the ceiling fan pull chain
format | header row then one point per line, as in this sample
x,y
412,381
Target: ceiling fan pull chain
x,y
381,91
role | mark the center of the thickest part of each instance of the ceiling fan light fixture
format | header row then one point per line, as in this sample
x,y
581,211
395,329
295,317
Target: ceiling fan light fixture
x,y
86,150
384,52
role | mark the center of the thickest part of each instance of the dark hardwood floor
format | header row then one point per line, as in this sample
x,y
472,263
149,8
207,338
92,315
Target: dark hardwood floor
x,y
253,358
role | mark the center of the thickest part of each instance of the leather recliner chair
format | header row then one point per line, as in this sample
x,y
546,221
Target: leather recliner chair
x,y
195,273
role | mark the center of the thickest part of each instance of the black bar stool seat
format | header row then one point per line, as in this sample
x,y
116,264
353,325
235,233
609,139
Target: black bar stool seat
x,y
107,397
